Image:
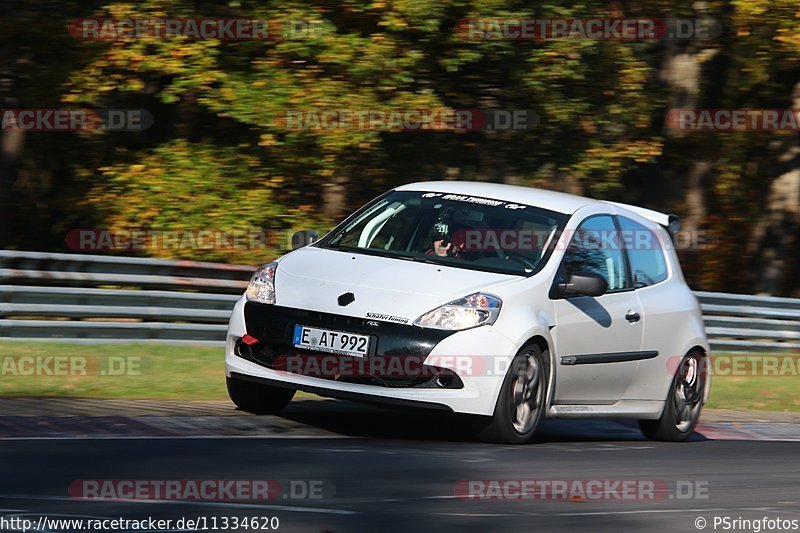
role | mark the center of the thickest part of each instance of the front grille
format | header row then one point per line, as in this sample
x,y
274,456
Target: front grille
x,y
395,358
275,325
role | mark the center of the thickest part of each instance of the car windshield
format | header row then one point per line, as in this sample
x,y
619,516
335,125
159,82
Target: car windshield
x,y
451,229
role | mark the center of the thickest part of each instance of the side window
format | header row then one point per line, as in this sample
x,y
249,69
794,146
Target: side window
x,y
595,247
645,252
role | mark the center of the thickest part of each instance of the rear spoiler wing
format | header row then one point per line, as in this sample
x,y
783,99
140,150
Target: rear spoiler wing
x,y
672,223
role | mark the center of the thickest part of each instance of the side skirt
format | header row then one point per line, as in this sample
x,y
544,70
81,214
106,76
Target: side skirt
x,y
639,409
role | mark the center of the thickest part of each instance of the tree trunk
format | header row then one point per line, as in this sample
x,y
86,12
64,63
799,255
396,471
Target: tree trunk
x,y
695,197
682,73
334,198
12,144
775,237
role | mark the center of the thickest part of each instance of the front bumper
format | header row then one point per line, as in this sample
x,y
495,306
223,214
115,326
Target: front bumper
x,y
486,350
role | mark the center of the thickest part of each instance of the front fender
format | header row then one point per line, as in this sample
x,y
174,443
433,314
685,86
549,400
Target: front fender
x,y
481,356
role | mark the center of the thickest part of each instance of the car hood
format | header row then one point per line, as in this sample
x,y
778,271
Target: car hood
x,y
388,289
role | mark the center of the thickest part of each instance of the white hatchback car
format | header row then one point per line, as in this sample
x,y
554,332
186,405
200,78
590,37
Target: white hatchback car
x,y
505,302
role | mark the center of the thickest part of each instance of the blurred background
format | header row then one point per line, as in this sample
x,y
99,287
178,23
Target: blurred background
x,y
217,157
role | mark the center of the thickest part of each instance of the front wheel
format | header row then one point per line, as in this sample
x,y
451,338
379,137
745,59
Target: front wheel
x,y
256,398
521,403
683,405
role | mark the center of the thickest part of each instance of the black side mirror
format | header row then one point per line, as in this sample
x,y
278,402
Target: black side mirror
x,y
584,283
304,237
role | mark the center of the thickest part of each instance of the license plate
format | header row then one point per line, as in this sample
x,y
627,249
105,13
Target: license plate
x,y
325,340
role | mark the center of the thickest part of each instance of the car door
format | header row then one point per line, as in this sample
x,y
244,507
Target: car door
x,y
667,304
597,340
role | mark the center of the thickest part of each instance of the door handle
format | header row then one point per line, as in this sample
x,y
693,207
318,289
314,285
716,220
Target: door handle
x,y
632,316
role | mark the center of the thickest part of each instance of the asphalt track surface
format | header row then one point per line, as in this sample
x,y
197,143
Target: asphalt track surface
x,y
385,470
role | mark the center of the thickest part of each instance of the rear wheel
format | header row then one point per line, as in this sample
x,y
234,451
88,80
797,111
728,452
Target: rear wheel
x,y
684,402
257,398
521,403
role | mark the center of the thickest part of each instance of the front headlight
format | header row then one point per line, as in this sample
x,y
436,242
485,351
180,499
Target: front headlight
x,y
262,285
474,310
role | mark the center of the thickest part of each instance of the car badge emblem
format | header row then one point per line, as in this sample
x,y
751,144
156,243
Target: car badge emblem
x,y
346,299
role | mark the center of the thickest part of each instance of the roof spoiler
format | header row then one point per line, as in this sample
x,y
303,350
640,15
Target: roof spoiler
x,y
672,223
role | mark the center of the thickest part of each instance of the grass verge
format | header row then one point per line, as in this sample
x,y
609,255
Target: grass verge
x,y
114,371
198,373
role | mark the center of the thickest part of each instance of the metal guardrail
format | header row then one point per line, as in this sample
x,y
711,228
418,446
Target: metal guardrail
x,y
741,322
37,268
111,299
95,299
72,302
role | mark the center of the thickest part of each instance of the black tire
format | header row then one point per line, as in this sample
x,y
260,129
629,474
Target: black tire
x,y
683,404
503,426
256,398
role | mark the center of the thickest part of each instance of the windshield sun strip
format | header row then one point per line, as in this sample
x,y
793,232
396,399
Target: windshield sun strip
x,y
333,239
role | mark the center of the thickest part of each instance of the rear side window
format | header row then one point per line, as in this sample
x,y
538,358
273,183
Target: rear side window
x,y
645,253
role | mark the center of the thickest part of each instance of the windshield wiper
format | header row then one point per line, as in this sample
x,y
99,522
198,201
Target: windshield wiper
x,y
334,242
420,259
382,253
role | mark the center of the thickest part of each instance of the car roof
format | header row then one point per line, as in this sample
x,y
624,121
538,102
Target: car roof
x,y
555,201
